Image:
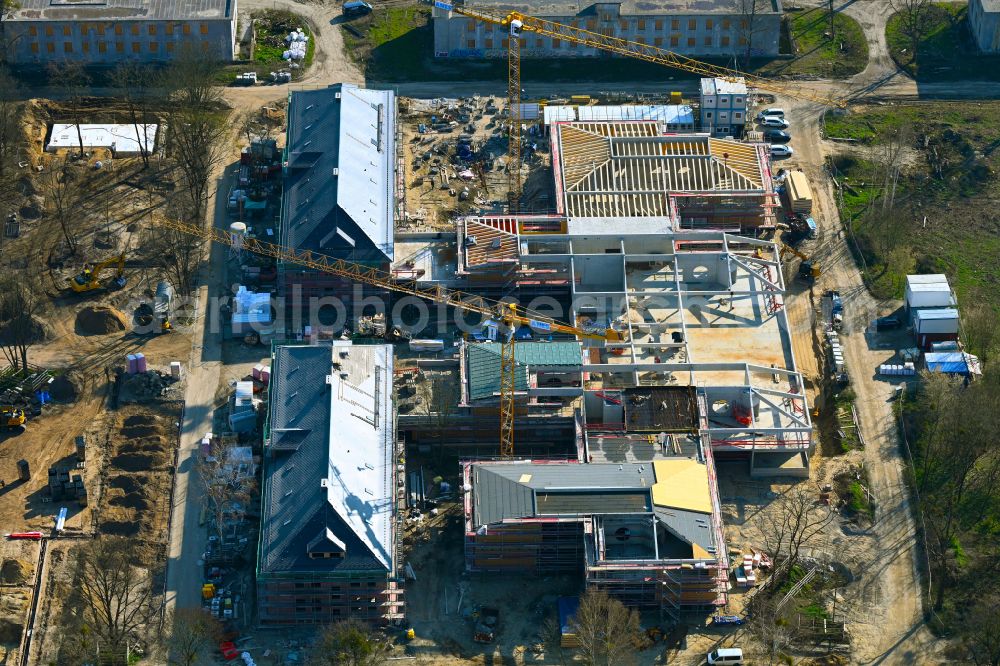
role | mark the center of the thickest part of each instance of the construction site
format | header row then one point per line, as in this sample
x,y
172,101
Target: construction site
x,y
447,367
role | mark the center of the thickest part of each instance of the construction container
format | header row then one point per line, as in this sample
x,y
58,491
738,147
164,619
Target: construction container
x,y
935,321
929,291
23,470
800,198
81,448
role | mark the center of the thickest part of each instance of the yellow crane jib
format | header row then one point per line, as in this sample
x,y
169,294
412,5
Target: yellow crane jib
x,y
509,314
627,48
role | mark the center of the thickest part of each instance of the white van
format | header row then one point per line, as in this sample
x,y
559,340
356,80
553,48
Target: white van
x,y
771,112
725,656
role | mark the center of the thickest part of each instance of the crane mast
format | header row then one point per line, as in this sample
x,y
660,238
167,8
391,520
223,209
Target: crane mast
x,y
509,314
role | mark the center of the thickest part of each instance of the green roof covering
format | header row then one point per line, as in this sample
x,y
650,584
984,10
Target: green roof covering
x,y
483,360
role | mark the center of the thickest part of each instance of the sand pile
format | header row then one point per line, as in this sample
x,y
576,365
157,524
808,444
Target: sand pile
x,y
13,572
63,389
99,320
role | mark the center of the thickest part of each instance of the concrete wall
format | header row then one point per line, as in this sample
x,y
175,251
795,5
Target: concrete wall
x,y
712,35
985,26
109,42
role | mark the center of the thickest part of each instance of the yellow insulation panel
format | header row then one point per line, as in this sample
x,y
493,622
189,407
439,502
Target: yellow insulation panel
x,y
681,484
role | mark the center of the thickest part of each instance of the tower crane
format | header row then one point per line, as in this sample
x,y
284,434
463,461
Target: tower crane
x,y
510,315
516,23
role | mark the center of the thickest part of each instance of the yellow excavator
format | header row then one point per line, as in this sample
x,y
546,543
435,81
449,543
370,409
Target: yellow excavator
x,y
808,269
89,278
13,418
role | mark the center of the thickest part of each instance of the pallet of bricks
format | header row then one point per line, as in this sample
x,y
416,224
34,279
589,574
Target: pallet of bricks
x,y
64,483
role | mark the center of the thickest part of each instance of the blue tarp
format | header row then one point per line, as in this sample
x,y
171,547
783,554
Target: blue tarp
x,y
952,363
567,611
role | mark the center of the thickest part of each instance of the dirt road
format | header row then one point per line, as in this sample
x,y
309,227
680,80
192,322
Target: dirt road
x,y
895,632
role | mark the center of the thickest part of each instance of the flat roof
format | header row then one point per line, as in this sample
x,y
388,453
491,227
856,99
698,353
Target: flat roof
x,y
119,138
554,8
717,86
937,313
141,10
328,469
927,278
669,114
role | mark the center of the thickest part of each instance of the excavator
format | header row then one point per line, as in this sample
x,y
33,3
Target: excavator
x,y
13,418
808,269
89,278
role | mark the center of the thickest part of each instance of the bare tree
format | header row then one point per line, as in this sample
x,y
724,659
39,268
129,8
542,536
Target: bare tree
x,y
609,633
352,643
768,625
197,127
913,17
228,488
981,328
177,253
981,632
20,301
10,128
138,87
193,633
66,199
794,519
72,77
749,26
117,592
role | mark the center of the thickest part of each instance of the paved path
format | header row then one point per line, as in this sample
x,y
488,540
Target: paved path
x,y
187,537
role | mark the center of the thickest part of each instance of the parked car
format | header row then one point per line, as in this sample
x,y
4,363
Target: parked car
x,y
356,8
777,150
777,136
887,323
773,121
725,656
780,113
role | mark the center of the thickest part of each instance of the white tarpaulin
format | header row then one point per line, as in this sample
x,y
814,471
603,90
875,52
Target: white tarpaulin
x,y
121,139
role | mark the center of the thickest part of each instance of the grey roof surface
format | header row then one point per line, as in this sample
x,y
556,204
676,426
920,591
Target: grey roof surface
x,y
305,453
503,491
543,8
339,192
690,526
484,363
67,10
570,502
508,490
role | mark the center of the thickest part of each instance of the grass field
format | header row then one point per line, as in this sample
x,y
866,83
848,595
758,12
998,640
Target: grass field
x,y
946,213
946,51
396,44
816,54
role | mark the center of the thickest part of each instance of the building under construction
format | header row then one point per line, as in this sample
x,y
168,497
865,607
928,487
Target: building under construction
x,y
648,533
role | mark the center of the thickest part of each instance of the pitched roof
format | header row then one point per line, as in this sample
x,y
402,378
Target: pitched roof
x,y
626,168
327,465
675,490
339,194
483,361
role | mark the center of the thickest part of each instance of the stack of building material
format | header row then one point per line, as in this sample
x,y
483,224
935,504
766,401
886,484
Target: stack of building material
x,y
799,193
242,416
952,363
61,486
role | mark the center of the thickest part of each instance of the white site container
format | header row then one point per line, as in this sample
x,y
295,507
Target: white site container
x,y
935,321
929,291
